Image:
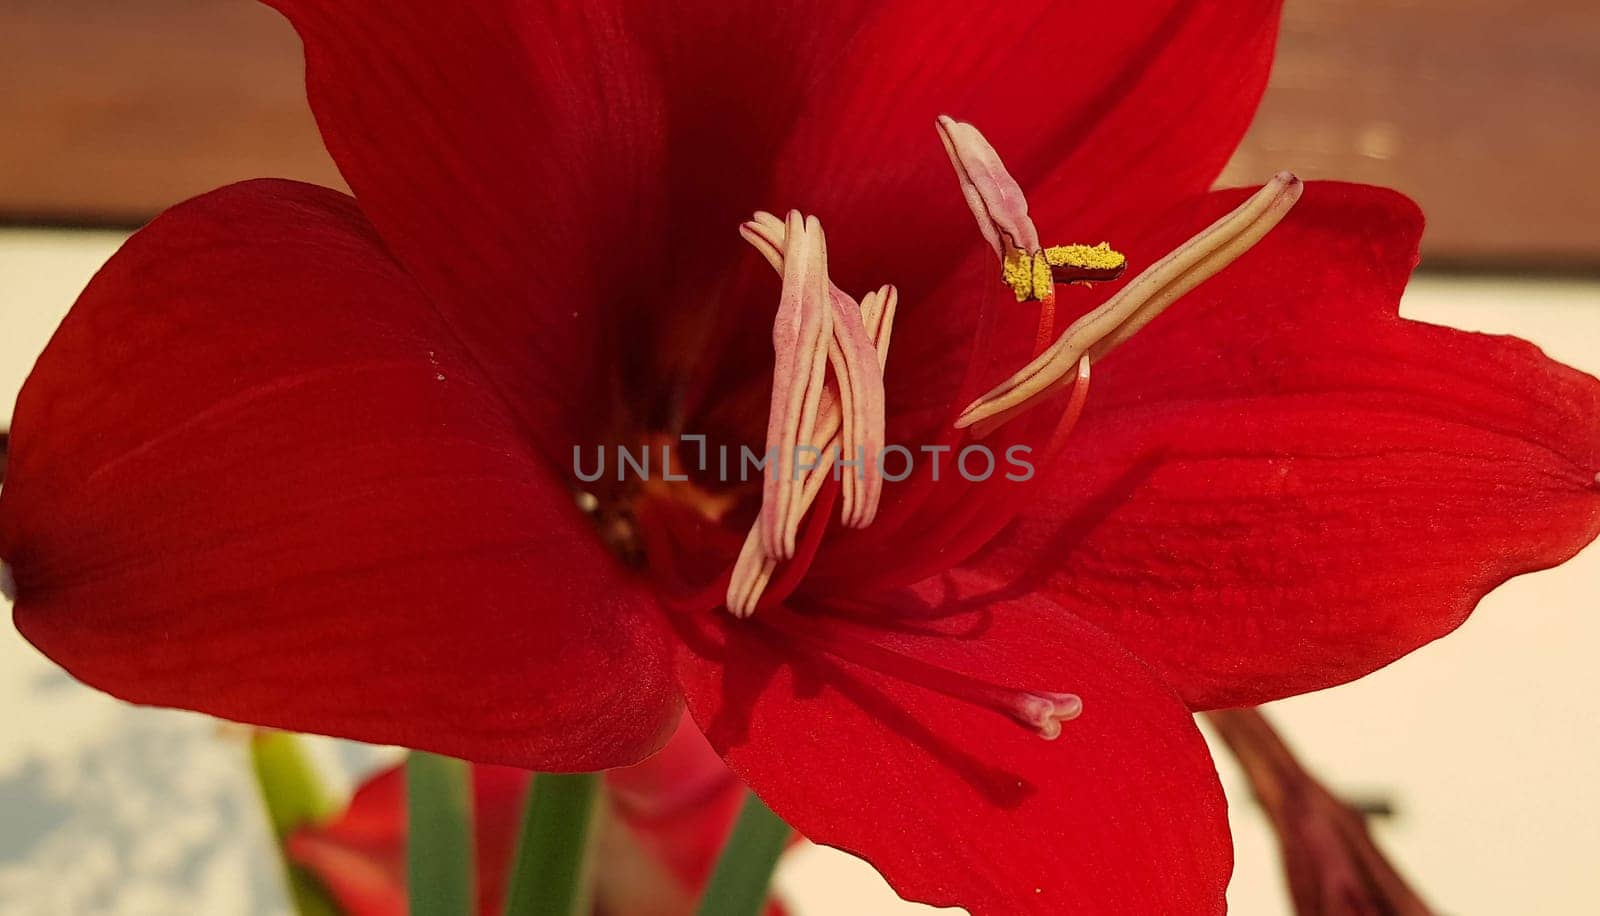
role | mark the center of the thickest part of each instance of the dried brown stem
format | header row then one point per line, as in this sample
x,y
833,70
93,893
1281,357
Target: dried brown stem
x,y
1333,866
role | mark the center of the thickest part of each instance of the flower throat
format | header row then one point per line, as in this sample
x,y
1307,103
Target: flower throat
x,y
827,402
830,351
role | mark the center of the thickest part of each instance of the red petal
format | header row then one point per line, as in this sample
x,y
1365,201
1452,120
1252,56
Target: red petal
x,y
253,475
1104,118
957,804
508,158
1166,122
551,174
673,814
1100,115
361,857
1279,486
680,804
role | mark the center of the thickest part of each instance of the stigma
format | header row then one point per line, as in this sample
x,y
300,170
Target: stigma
x,y
1046,712
1039,711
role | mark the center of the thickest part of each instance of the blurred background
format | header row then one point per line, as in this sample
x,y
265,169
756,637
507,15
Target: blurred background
x,y
1483,748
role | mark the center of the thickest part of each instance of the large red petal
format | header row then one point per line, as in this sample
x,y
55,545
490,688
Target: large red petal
x,y
954,803
678,806
1105,118
1279,485
565,180
254,475
508,156
1101,115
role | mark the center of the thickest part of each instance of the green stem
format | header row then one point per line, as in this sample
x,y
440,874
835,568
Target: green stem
x,y
738,886
551,874
439,851
294,797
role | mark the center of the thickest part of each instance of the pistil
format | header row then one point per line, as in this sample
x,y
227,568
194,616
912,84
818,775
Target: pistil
x,y
1041,711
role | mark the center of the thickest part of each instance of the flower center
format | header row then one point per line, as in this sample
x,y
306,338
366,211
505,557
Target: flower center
x,y
827,410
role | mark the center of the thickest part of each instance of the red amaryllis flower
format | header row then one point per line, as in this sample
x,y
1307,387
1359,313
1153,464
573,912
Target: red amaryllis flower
x,y
663,823
307,461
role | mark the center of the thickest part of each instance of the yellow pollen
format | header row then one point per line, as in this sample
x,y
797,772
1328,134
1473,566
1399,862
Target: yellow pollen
x,y
1018,271
1030,276
1044,285
1086,257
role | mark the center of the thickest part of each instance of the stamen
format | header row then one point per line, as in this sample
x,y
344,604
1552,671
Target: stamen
x,y
877,313
848,414
997,202
856,354
1138,303
800,337
1082,263
1041,711
1034,276
1028,275
993,195
755,581
786,580
751,573
8,582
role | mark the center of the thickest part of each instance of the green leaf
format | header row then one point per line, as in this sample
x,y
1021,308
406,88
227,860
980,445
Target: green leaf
x,y
294,797
439,846
551,873
739,885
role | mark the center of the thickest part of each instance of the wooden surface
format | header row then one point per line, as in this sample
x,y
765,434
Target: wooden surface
x,y
112,110
1487,112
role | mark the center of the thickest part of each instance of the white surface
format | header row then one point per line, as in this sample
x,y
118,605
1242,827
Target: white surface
x,y
1487,741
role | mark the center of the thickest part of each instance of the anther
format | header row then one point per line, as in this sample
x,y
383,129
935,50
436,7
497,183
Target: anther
x,y
800,337
751,573
1001,209
847,415
993,195
1083,263
8,582
856,354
